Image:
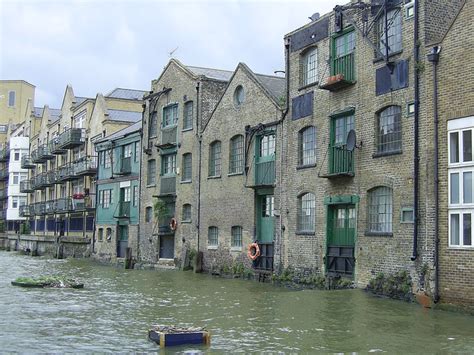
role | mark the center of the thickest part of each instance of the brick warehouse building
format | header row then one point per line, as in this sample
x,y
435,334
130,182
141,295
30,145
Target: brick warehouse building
x,y
364,203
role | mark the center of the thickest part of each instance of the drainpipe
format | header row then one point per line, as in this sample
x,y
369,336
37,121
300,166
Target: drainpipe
x,y
199,137
285,112
140,182
433,57
416,158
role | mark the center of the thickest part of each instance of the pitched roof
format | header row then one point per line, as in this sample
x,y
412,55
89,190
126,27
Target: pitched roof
x,y
124,116
216,74
128,94
122,133
55,112
79,100
276,85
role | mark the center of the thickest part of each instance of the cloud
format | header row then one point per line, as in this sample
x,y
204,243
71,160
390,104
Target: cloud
x,y
99,45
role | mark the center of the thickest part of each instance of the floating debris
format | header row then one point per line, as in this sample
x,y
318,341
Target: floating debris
x,y
47,281
172,335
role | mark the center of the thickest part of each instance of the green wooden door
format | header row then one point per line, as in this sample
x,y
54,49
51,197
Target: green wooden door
x,y
265,160
265,218
122,242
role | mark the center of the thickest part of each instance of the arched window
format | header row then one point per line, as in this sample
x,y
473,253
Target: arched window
x,y
151,172
394,18
306,213
236,155
148,214
186,213
213,236
215,159
389,130
307,146
380,210
309,66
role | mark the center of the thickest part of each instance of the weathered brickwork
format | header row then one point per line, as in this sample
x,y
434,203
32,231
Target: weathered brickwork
x,y
228,200
186,84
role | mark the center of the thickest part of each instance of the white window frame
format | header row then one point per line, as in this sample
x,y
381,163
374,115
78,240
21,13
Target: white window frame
x,y
309,67
459,126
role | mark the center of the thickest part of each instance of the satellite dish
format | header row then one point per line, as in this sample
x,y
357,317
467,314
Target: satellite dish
x,y
351,140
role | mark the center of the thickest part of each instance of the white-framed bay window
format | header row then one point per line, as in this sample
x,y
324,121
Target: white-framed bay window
x,y
461,182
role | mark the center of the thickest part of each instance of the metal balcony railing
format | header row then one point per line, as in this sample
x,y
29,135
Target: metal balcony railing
x,y
169,136
26,162
54,146
85,166
26,186
168,185
4,152
40,208
124,209
66,172
39,182
64,205
342,73
4,174
341,161
44,153
24,211
50,206
85,203
52,177
71,138
4,193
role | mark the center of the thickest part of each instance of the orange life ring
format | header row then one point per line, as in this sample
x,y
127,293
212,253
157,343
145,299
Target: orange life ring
x,y
253,251
173,224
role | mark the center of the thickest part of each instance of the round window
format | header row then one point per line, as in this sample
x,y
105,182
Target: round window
x,y
239,96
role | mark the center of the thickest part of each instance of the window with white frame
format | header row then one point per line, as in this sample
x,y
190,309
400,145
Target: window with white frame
x,y
236,237
127,151
307,146
105,198
107,160
170,115
461,182
80,120
306,213
168,166
309,67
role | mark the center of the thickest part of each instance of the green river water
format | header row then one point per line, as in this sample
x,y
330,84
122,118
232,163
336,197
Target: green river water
x,y
116,307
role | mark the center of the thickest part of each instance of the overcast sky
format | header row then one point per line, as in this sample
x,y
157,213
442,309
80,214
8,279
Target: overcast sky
x,y
98,45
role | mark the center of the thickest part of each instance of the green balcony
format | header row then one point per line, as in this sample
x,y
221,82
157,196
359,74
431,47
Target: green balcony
x,y
341,162
72,138
168,185
26,186
169,137
4,152
4,174
85,166
342,73
35,158
265,173
64,205
27,163
66,172
125,166
123,210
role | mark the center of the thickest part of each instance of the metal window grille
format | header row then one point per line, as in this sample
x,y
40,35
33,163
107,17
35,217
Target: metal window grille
x,y
306,212
236,237
307,146
215,159
187,167
213,236
394,32
188,115
187,212
151,176
236,159
390,130
310,67
380,210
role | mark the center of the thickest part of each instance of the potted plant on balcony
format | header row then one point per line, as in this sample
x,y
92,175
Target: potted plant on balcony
x,y
78,196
